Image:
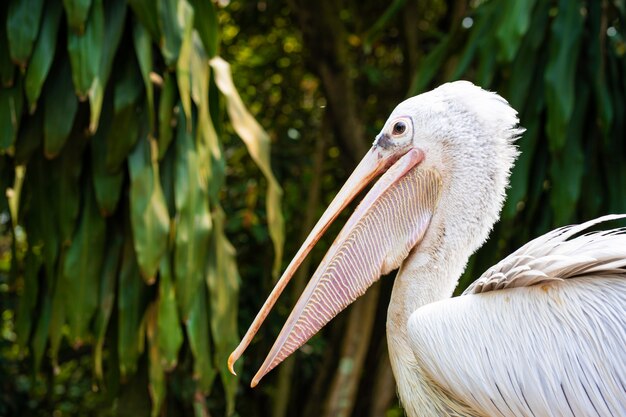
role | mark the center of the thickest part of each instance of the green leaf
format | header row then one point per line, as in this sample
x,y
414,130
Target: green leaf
x,y
114,15
43,54
173,18
22,27
430,67
567,168
156,373
60,107
77,12
11,103
148,211
199,342
373,33
107,185
223,284
29,138
124,130
482,28
595,64
65,171
130,305
193,226
561,71
530,55
146,13
25,315
106,295
206,24
85,50
39,338
57,315
81,269
258,143
183,70
143,50
514,24
7,69
39,191
169,334
166,114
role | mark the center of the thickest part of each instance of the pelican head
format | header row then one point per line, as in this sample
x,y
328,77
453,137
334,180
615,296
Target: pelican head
x,y
441,154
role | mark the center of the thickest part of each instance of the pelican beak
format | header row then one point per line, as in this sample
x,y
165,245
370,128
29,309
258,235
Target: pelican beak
x,y
386,225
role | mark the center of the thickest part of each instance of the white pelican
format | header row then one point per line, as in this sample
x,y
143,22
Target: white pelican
x,y
542,333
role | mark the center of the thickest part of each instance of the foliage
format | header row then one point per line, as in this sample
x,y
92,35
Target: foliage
x,y
110,127
321,77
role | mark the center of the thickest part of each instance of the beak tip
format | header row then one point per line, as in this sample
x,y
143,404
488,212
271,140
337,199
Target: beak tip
x,y
231,363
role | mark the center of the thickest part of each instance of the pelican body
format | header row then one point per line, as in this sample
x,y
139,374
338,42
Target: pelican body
x,y
541,333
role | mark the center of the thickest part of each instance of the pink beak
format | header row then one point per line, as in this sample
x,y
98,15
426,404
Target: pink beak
x,y
373,242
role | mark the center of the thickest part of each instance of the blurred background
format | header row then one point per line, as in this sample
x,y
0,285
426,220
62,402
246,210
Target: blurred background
x,y
161,161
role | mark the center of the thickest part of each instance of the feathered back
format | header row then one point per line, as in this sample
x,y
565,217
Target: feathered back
x,y
555,257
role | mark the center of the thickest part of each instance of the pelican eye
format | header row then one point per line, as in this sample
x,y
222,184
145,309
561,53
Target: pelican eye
x,y
398,128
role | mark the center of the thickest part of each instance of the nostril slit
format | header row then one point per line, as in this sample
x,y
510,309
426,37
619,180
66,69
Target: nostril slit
x,y
383,140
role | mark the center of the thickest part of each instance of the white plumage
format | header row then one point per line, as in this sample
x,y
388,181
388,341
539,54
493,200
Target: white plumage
x,y
542,333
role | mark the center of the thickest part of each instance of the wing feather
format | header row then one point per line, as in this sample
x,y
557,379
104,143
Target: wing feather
x,y
554,349
558,255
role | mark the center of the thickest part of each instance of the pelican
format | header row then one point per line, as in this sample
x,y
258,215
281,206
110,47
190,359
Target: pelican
x,y
541,333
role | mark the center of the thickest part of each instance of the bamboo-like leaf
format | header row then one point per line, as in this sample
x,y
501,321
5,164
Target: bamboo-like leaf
x,y
11,103
570,166
77,12
561,71
143,50
39,191
22,26
193,227
146,13
107,185
148,211
482,28
81,269
130,305
125,125
106,296
60,107
39,338
43,54
430,66
166,113
66,171
169,334
173,18
206,24
114,15
209,151
7,69
199,342
373,33
28,299
513,25
223,284
519,90
57,315
183,53
156,373
596,68
258,143
29,137
486,63
85,50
